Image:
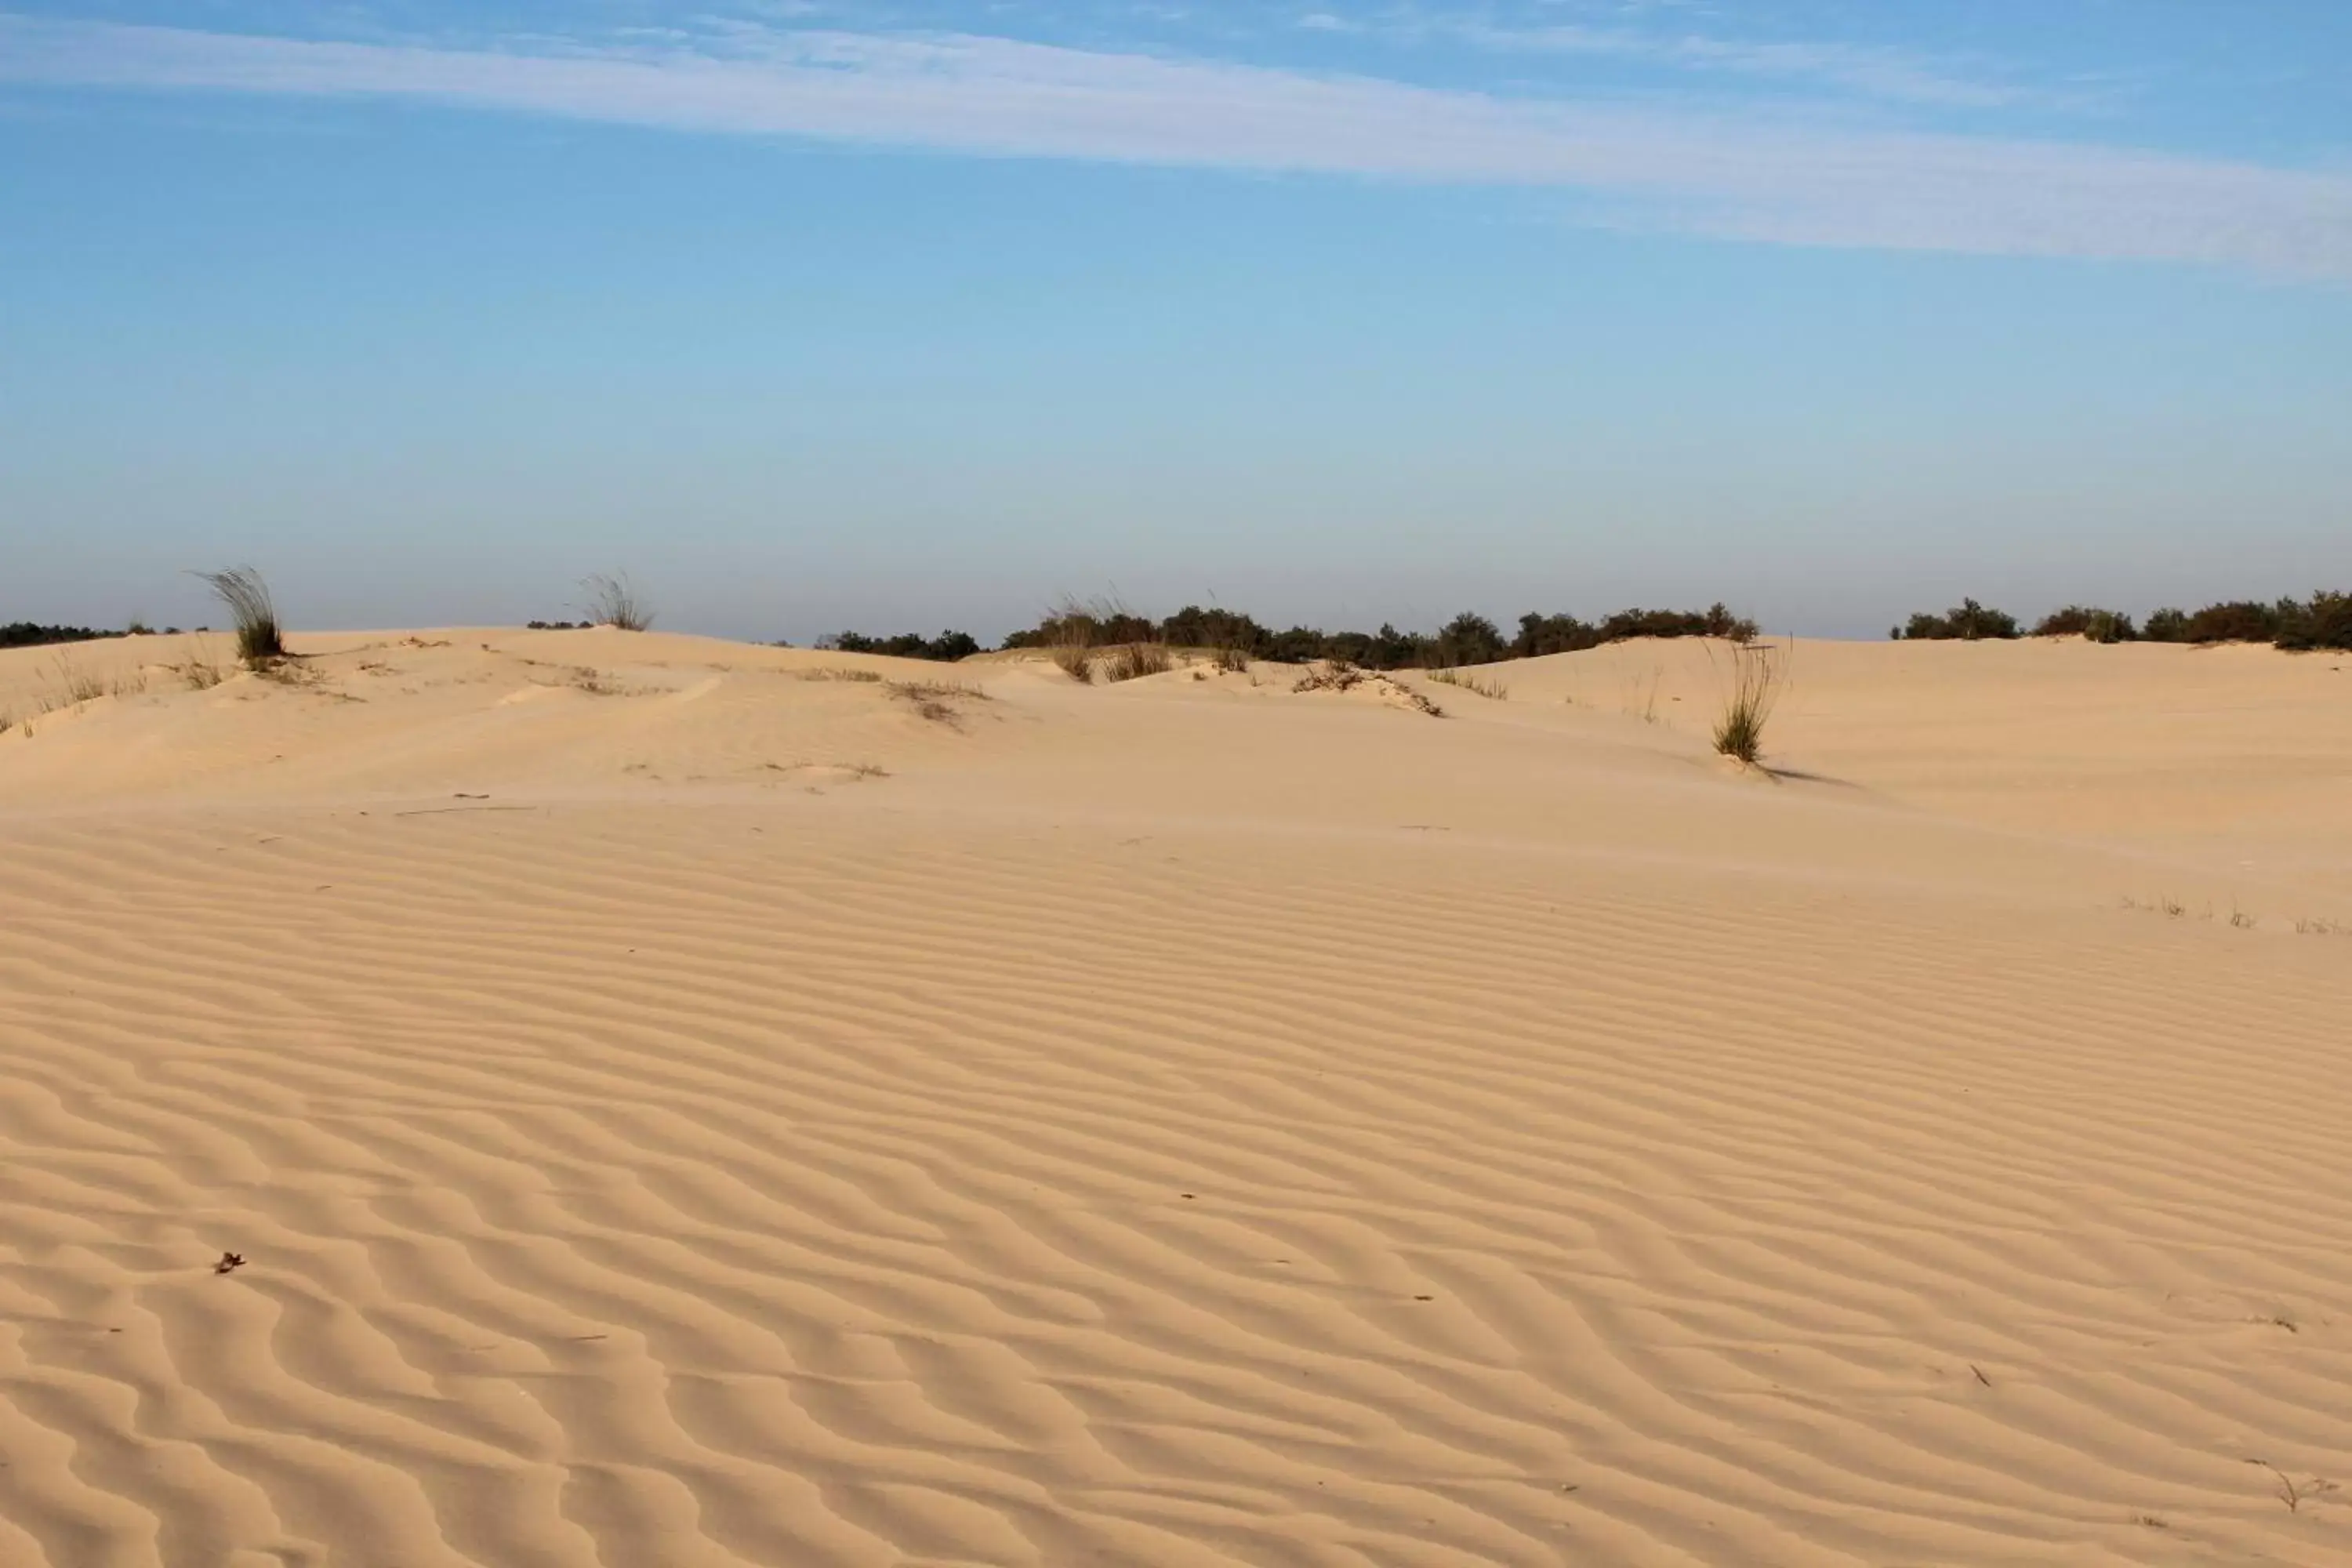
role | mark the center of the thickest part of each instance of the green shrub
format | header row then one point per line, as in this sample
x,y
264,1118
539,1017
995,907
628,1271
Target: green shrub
x,y
1970,622
2239,620
2326,621
2084,621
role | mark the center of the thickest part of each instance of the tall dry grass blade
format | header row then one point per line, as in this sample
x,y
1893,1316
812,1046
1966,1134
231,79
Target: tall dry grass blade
x,y
1758,679
259,639
615,601
1130,660
1756,682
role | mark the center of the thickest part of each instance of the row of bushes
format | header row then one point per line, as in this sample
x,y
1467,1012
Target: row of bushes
x,y
2323,620
946,647
27,633
1468,638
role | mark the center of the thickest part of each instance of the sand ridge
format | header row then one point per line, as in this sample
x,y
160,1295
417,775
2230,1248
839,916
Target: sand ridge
x,y
1182,1122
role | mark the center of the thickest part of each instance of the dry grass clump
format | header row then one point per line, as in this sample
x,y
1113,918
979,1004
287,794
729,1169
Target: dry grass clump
x,y
1758,680
1077,628
1331,675
79,685
1340,675
1130,660
260,641
1230,660
198,671
866,677
937,699
615,601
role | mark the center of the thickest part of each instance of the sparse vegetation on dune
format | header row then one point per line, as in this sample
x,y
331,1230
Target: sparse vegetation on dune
x,y
260,641
937,699
1493,690
615,601
79,685
1342,675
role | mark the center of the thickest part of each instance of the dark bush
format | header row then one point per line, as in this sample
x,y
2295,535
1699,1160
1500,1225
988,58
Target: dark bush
x,y
944,649
2325,622
1970,623
1468,638
1715,621
2239,620
1299,645
2082,621
2166,625
1193,626
26,634
1541,635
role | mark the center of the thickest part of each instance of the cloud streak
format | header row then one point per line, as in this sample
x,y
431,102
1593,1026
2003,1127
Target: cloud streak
x,y
1737,176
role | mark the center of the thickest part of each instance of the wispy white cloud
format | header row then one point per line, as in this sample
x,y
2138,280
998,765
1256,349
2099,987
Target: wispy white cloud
x,y
1869,70
1739,176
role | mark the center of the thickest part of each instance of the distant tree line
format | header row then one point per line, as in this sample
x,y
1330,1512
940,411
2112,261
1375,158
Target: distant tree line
x,y
2323,620
946,647
28,634
1468,638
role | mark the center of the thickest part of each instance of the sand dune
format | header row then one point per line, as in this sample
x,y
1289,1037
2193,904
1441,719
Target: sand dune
x,y
680,1103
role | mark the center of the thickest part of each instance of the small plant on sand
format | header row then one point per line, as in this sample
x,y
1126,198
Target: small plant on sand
x,y
615,601
1230,660
260,641
1493,690
1074,659
198,671
1129,660
2289,1492
937,699
79,685
1760,673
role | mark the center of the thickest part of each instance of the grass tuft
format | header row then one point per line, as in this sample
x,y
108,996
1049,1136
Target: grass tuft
x,y
615,601
260,641
80,686
1493,690
937,699
1758,680
1131,660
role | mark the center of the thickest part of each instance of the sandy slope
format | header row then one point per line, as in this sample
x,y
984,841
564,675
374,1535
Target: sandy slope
x,y
697,1113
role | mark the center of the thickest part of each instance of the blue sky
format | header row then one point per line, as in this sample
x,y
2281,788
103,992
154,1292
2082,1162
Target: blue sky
x,y
889,316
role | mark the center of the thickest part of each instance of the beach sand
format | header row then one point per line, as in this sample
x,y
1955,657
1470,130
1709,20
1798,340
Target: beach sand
x,y
678,1105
